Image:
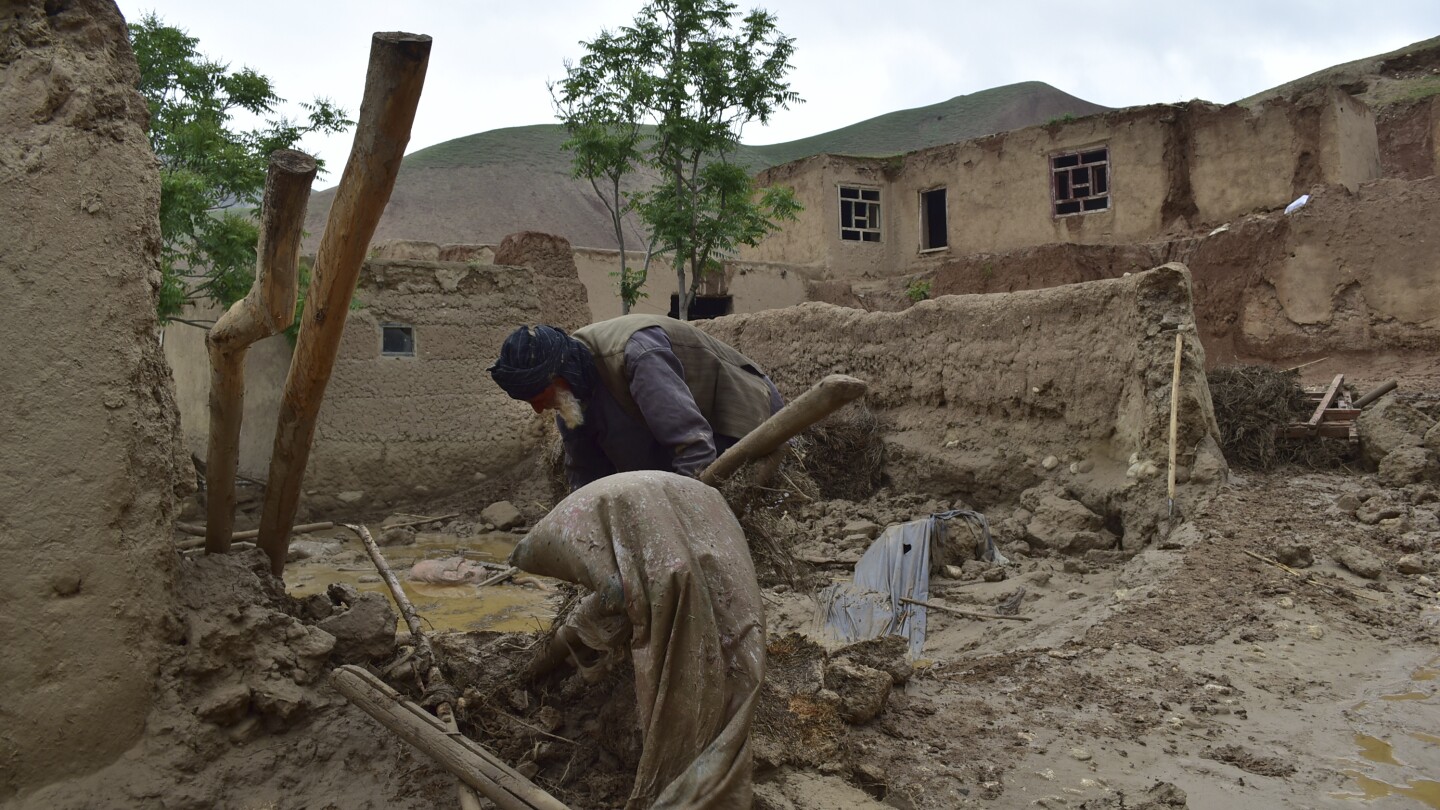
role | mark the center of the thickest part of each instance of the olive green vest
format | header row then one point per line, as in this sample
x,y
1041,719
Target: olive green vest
x,y
733,396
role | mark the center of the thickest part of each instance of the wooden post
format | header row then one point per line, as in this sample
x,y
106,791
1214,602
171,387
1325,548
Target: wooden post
x,y
826,397
455,753
392,92
266,310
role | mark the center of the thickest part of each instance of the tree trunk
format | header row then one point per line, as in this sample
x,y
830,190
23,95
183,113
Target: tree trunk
x,y
266,310
392,92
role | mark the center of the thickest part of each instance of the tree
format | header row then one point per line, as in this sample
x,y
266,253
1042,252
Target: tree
x,y
211,174
686,71
605,139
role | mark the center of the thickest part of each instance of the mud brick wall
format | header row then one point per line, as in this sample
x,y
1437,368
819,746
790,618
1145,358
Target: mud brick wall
x,y
977,390
89,432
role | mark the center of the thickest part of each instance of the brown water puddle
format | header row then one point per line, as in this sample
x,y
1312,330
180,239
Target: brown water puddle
x,y
1375,749
1425,791
502,608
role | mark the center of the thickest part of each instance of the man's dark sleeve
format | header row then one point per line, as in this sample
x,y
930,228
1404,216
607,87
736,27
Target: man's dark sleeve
x,y
584,460
657,384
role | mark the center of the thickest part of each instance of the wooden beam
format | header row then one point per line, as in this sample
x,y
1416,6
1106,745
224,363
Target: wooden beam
x,y
1325,400
387,111
266,310
459,755
823,399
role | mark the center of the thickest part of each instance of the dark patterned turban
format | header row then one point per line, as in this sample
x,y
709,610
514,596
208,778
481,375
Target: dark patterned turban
x,y
531,357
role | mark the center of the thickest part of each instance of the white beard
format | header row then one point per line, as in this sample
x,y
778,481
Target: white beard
x,y
569,407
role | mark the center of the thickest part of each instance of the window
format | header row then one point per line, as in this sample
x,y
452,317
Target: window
x,y
1081,181
397,340
860,214
933,234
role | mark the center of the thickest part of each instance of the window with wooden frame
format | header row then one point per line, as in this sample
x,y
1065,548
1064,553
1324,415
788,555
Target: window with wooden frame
x,y
1080,181
859,214
934,235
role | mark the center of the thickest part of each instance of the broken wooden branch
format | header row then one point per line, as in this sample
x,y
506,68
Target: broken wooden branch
x,y
462,757
387,110
421,520
969,614
249,534
826,397
266,310
1339,588
500,577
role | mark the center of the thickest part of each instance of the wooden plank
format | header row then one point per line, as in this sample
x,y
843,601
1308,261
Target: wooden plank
x,y
1325,401
462,757
1340,414
1329,430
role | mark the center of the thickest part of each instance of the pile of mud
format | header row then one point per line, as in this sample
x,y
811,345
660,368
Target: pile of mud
x,y
243,716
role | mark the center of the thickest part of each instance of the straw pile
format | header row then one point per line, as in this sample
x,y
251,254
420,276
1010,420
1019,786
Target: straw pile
x,y
1250,403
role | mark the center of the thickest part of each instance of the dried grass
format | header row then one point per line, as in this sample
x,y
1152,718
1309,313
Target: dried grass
x,y
844,454
1250,403
763,513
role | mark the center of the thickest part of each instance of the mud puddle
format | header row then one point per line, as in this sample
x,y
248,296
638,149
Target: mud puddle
x,y
1397,751
503,608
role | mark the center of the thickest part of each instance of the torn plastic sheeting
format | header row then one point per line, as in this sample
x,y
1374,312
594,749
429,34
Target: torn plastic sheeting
x,y
895,567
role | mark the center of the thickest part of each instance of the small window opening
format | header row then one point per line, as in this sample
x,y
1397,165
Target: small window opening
x,y
860,214
933,233
1081,181
397,340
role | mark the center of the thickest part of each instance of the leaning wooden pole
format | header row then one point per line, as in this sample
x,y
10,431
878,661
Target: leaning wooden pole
x,y
456,753
823,399
392,92
266,310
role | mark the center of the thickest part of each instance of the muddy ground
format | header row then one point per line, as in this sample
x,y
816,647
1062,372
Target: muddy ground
x,y
1188,675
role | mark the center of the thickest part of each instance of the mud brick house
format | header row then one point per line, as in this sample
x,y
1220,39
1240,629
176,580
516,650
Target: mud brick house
x,y
1120,177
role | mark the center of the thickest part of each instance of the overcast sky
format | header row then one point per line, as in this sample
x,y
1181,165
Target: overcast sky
x,y
854,60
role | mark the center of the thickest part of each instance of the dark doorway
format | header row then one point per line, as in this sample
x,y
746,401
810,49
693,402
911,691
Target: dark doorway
x,y
704,306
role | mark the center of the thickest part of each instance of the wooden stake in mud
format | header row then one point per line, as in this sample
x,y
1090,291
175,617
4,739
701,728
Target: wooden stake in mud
x,y
392,92
266,310
1174,418
428,673
826,397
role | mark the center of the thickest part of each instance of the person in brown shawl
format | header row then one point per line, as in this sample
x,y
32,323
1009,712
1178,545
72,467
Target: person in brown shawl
x,y
672,582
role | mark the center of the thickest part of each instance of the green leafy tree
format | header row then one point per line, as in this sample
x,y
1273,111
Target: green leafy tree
x,y
683,81
605,143
212,175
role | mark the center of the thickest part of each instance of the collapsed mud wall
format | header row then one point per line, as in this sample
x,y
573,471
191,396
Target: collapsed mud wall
x,y
89,428
979,392
398,428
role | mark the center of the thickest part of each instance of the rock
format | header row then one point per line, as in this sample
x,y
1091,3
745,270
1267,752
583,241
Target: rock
x,y
1083,466
503,515
994,573
1295,555
1166,795
954,572
1050,462
280,702
1360,561
1348,502
869,528
1080,754
363,633
857,540
1376,509
225,705
307,549
1055,521
973,569
1389,424
398,536
1411,564
350,497
863,690
1406,465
